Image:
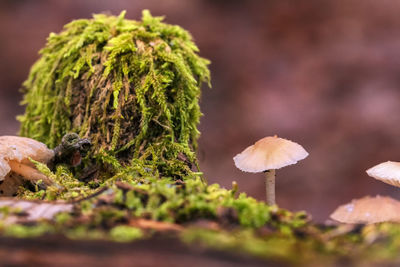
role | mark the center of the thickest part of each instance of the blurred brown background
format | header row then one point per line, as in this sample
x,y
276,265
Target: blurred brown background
x,y
324,73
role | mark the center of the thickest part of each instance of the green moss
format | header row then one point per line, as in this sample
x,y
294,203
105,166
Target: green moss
x,y
82,232
21,231
125,233
132,87
248,242
109,216
371,245
166,200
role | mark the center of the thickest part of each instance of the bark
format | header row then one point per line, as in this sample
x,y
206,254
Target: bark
x,y
158,251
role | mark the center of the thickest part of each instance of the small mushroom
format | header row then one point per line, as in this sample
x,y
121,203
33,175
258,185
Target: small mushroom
x,y
387,172
368,210
267,155
15,152
16,166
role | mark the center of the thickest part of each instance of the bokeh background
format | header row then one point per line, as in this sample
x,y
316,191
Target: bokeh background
x,y
324,73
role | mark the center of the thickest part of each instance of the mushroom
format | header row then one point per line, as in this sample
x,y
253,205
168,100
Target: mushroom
x,y
368,210
267,155
15,153
387,172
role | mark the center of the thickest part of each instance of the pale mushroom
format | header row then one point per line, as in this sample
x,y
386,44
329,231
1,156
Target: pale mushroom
x,y
368,210
15,153
267,155
16,166
387,172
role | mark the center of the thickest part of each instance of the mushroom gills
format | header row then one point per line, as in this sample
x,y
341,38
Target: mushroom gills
x,y
267,155
28,172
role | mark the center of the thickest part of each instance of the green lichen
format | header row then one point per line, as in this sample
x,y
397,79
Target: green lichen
x,y
132,87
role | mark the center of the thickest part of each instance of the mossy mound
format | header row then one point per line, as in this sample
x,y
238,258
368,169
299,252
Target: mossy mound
x,y
132,87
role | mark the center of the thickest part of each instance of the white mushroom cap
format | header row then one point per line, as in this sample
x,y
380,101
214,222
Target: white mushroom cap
x,y
368,210
387,172
269,153
20,149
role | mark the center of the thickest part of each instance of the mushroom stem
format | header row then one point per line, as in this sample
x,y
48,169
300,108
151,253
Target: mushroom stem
x,y
28,172
270,186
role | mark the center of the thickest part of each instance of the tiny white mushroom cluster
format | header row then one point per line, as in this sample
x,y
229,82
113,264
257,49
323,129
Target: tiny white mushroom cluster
x,y
369,210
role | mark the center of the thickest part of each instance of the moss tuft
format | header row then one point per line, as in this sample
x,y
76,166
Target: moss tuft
x,y
124,233
132,87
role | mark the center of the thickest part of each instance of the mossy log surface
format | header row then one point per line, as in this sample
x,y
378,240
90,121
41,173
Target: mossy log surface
x,y
156,251
90,230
